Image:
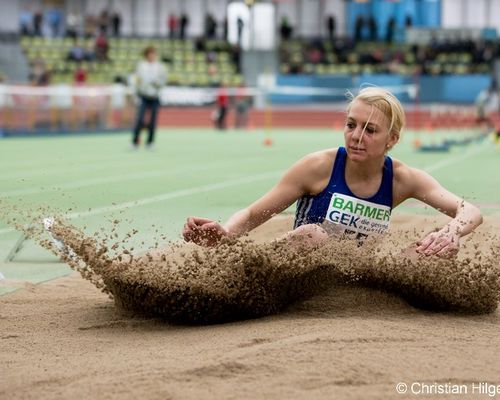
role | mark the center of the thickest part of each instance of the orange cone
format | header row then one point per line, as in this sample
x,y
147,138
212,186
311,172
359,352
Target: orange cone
x,y
337,125
429,126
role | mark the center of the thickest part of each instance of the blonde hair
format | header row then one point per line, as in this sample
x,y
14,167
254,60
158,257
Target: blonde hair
x,y
386,102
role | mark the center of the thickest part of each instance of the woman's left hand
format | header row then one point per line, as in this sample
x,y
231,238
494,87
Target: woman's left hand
x,y
443,243
203,231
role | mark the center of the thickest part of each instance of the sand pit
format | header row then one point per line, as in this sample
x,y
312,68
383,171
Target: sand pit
x,y
66,338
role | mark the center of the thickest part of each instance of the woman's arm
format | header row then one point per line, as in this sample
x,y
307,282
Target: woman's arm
x,y
466,217
296,182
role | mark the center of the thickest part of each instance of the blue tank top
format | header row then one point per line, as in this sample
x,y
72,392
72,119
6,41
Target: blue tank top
x,y
338,210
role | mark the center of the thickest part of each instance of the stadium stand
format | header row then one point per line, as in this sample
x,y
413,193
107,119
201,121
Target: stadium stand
x,y
200,63
344,56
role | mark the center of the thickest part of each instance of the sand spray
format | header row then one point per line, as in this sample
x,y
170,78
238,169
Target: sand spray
x,y
242,279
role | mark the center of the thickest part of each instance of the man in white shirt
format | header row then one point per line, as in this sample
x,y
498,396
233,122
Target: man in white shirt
x,y
151,76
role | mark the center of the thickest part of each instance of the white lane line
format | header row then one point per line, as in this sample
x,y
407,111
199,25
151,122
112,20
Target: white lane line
x,y
99,181
36,171
168,196
453,160
176,194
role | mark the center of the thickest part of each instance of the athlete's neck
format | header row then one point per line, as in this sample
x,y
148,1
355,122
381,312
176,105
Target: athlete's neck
x,y
365,170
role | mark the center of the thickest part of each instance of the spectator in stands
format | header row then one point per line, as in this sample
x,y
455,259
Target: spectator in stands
x,y
89,51
104,22
296,68
183,25
372,27
120,80
89,26
26,21
80,74
150,76
172,26
200,44
72,25
236,57
359,173
391,28
39,75
408,21
222,102
210,26
225,29
76,52
330,26
285,29
314,55
116,22
358,28
488,53
211,56
37,23
434,41
55,19
101,47
240,24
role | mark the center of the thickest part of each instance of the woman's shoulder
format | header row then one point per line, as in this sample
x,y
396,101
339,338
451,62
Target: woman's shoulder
x,y
313,171
322,155
407,180
401,170
321,159
317,165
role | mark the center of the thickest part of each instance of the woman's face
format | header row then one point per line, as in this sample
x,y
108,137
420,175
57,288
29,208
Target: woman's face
x,y
151,56
366,132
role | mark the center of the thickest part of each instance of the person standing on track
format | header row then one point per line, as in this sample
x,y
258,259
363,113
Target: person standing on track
x,y
351,190
222,101
487,103
242,105
151,76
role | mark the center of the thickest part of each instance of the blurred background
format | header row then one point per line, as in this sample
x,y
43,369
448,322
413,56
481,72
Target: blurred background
x,y
67,66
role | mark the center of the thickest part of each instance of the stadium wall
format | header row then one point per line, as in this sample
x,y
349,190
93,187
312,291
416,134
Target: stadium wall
x,y
462,89
149,17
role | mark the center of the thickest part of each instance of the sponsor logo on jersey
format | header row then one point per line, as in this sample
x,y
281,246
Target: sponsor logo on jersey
x,y
358,216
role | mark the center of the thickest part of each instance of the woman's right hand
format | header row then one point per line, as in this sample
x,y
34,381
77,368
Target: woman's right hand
x,y
203,231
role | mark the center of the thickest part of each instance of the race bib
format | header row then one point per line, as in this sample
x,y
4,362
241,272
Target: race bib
x,y
356,217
